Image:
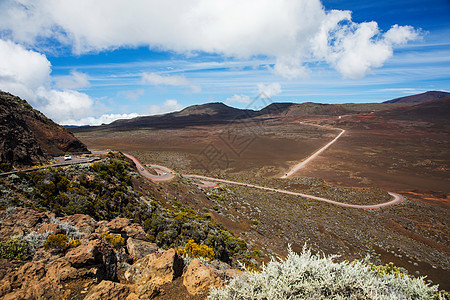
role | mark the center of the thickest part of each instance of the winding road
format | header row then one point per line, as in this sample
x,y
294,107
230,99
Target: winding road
x,y
166,174
397,198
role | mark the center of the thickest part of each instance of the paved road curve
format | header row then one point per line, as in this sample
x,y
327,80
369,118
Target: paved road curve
x,y
164,173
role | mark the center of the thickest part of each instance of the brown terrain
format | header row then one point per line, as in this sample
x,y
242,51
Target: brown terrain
x,y
398,147
28,137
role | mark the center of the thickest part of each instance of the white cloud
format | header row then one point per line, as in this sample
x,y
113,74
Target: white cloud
x,y
292,31
238,99
269,90
354,49
26,73
22,71
169,105
133,95
103,119
76,80
63,105
174,80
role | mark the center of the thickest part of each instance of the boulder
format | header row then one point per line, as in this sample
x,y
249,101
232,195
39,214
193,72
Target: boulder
x,y
21,221
135,231
148,290
139,248
95,253
61,270
84,223
108,290
156,268
198,278
117,225
122,226
54,228
232,273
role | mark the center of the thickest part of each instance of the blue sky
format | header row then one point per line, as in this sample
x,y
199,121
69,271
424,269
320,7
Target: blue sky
x,y
90,62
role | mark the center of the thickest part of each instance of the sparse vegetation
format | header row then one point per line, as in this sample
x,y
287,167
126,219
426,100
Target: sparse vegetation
x,y
115,240
194,250
15,248
57,241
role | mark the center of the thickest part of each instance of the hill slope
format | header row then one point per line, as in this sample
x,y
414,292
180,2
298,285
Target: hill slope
x,y
419,98
431,111
28,137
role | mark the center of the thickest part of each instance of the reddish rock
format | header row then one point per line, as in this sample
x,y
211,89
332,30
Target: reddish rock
x,y
54,228
118,224
156,268
199,278
21,221
96,253
139,248
84,223
135,231
232,273
148,290
108,290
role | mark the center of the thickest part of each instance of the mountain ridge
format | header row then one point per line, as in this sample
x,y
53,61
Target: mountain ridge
x,y
28,137
419,98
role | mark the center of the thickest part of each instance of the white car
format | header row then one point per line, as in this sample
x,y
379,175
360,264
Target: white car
x,y
67,157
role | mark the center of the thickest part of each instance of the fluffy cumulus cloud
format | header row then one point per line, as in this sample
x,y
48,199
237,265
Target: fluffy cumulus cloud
x,y
22,71
238,99
103,119
291,31
76,80
26,73
169,105
269,90
174,80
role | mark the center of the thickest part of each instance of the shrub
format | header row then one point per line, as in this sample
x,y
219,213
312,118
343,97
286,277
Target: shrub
x,y
307,276
195,250
115,240
15,248
34,240
57,241
74,243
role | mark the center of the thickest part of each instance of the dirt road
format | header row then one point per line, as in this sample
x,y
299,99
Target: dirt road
x,y
302,164
397,198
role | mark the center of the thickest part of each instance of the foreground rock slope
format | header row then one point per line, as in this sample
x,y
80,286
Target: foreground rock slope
x,y
94,261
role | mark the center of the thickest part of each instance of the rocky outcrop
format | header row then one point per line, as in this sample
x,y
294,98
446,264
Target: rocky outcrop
x,y
139,248
20,221
198,278
156,268
108,290
124,227
96,269
27,137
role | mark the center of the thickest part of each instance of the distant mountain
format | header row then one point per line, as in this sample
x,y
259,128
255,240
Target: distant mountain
x,y
419,98
27,137
219,113
210,113
315,109
431,111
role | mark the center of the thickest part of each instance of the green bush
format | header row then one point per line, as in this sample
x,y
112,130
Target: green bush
x,y
15,248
